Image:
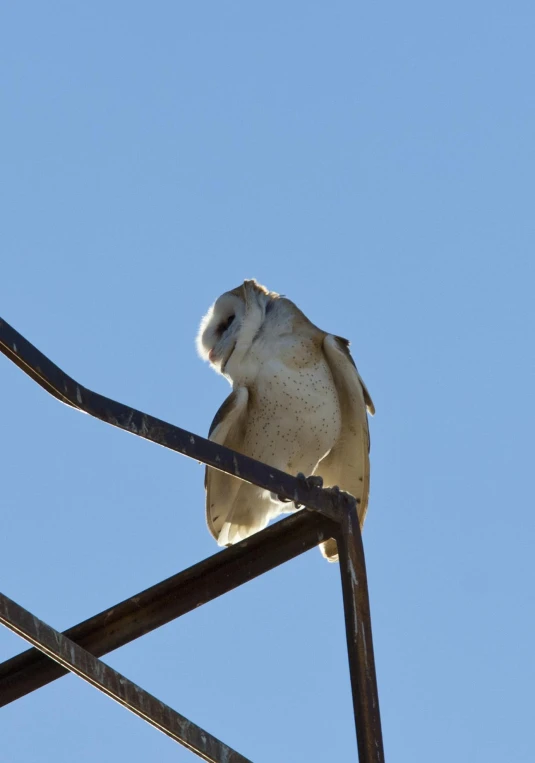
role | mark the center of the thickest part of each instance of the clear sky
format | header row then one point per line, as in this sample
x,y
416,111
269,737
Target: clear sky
x,y
373,162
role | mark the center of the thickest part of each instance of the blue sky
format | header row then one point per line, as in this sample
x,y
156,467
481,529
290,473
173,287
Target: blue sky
x,y
375,163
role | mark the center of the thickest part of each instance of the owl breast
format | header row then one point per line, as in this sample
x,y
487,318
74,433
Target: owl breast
x,y
294,413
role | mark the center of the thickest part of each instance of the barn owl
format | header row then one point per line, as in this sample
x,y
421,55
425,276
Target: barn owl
x,y
297,404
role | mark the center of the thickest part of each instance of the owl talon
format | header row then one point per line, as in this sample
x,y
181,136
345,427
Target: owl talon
x,y
341,494
313,481
308,482
281,498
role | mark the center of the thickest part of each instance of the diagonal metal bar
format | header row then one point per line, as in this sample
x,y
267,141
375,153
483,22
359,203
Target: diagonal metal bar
x,y
359,640
130,619
64,651
171,598
60,385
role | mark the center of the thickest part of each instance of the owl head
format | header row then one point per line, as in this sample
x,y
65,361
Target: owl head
x,y
235,317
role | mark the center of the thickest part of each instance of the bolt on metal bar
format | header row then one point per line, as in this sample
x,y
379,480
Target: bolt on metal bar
x,y
64,651
171,598
55,381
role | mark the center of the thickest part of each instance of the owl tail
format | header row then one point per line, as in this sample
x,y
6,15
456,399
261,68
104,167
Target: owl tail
x,y
329,550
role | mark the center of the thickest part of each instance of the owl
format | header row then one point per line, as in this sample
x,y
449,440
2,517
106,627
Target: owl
x,y
297,404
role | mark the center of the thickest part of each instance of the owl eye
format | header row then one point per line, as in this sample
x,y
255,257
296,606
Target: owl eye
x,y
225,325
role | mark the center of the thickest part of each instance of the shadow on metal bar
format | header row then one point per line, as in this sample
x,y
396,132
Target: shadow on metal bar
x,y
335,517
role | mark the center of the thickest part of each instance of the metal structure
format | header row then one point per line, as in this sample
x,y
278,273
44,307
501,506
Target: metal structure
x,y
328,514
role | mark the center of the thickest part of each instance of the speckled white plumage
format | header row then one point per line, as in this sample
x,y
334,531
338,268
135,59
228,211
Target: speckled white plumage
x,y
298,404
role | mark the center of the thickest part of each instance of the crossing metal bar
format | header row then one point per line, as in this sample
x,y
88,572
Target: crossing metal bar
x,y
65,652
336,517
171,598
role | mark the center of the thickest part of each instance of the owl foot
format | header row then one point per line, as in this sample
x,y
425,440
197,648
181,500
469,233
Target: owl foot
x,y
337,493
308,482
314,481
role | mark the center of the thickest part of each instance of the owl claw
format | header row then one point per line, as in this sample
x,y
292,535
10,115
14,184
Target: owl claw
x,y
338,493
308,482
314,481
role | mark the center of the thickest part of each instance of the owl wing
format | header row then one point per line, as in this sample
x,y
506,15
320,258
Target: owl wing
x,y
234,509
348,464
227,428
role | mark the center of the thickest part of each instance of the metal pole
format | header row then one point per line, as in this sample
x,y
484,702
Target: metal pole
x,y
359,640
98,674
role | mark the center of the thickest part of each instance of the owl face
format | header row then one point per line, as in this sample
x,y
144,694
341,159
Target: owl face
x,y
233,321
219,329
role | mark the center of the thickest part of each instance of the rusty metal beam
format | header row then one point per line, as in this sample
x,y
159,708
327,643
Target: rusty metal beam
x,y
55,381
72,657
171,598
337,518
359,640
